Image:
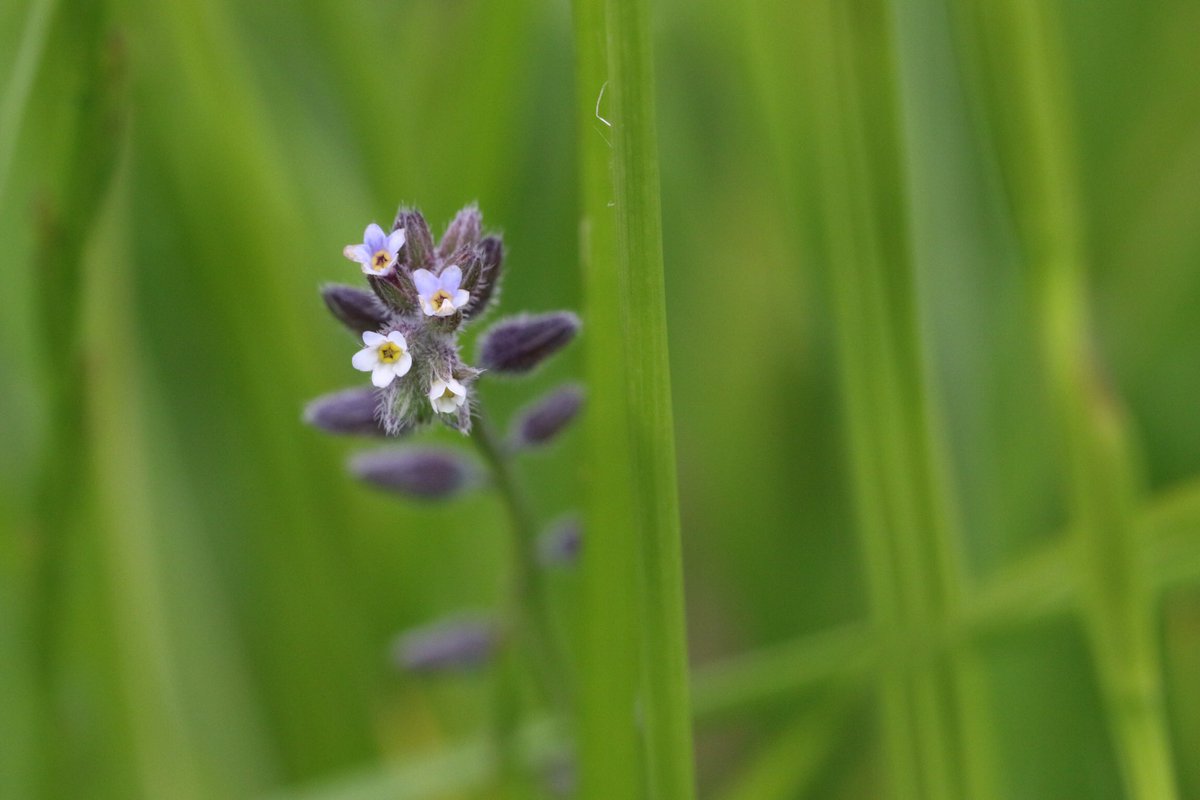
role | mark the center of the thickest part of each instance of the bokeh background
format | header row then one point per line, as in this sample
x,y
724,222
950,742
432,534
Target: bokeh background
x,y
197,602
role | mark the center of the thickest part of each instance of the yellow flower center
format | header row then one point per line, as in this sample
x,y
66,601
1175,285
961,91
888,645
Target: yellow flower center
x,y
380,260
390,352
439,297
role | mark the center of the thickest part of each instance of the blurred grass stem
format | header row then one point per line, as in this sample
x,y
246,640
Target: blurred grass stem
x,y
1103,493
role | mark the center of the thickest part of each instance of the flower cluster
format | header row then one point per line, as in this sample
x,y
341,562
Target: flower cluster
x,y
421,296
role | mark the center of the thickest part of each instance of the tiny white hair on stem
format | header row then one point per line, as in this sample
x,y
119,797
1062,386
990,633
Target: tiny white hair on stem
x,y
607,124
600,97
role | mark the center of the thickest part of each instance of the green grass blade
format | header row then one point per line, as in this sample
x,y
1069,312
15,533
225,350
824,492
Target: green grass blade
x,y
648,396
1028,115
791,764
20,82
609,746
632,570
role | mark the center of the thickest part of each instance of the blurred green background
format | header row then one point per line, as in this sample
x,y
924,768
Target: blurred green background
x,y
196,601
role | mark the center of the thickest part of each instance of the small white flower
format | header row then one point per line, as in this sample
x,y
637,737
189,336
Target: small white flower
x,y
447,396
378,252
385,357
440,295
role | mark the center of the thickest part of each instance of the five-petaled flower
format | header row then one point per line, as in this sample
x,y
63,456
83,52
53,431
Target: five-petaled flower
x,y
385,357
447,396
378,252
440,295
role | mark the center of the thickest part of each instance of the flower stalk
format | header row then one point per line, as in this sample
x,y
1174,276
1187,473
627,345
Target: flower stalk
x,y
531,620
422,295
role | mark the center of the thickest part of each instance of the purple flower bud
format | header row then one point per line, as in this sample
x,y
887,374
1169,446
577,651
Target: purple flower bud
x,y
561,543
357,309
561,775
462,234
396,290
449,645
418,249
427,474
483,275
547,418
353,411
518,344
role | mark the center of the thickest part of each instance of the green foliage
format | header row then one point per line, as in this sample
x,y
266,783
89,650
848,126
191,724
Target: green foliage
x,y
928,270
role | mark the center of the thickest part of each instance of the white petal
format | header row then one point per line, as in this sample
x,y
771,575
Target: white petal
x,y
426,282
356,252
382,375
378,273
373,339
456,387
366,359
451,278
396,337
461,297
395,241
427,307
437,388
403,365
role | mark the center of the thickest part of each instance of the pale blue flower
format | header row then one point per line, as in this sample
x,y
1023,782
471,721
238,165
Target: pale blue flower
x,y
440,295
378,252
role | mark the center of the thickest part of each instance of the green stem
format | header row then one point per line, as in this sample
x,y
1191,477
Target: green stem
x,y
1032,128
531,618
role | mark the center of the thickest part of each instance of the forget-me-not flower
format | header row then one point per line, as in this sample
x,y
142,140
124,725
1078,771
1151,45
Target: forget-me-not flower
x,y
439,294
378,252
385,357
447,396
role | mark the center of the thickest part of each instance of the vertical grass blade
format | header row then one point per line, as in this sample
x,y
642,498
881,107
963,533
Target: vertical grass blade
x,y
1028,117
632,569
20,82
906,519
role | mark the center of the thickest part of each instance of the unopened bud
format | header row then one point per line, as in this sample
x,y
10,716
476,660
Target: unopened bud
x,y
450,645
418,250
462,233
357,309
427,474
353,412
561,543
518,344
490,256
548,417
